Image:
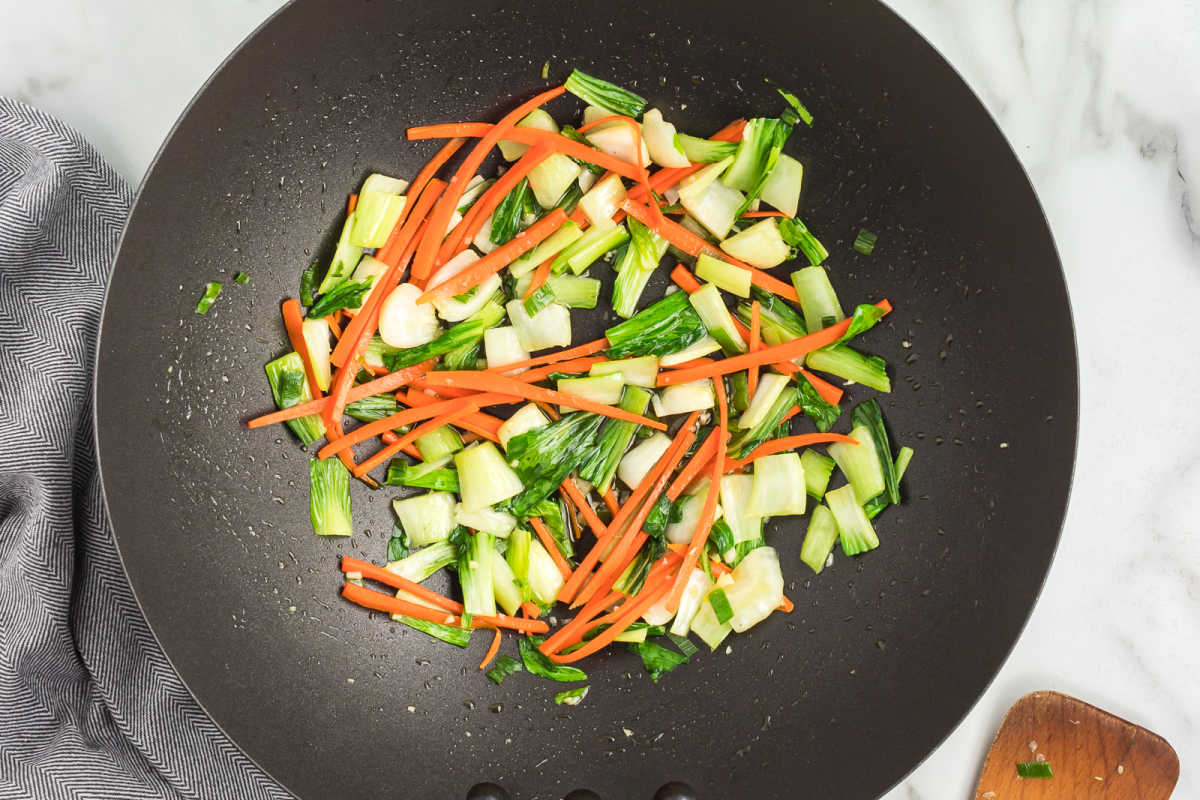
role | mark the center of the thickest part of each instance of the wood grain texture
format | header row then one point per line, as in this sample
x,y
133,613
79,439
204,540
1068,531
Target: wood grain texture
x,y
1093,754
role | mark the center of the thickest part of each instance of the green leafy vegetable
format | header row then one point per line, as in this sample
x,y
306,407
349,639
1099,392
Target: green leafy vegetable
x,y
241,277
802,113
685,645
720,536
397,545
665,327
571,697
634,267
542,666
506,219
1034,769
864,242
603,94
658,660
211,290
574,135
504,666
308,285
543,457
869,415
369,409
459,637
289,388
466,332
746,439
423,475
757,154
614,440
873,507
348,294
797,235
822,413
864,318
329,497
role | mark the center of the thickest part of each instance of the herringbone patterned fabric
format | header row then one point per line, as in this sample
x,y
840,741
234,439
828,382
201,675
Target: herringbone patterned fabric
x,y
89,706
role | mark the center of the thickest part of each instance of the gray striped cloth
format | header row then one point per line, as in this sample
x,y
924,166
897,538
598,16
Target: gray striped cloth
x,y
89,705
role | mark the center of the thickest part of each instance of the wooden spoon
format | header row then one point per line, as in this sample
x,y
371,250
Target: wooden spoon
x,y
1092,754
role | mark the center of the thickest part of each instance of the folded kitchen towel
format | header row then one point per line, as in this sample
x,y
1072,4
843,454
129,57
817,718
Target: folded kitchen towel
x,y
89,705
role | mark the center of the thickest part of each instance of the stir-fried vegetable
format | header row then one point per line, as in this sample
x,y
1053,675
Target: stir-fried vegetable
x,y
634,476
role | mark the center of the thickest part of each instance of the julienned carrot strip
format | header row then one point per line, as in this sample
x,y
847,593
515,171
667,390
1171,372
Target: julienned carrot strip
x,y
404,243
533,137
540,276
762,214
755,343
485,425
388,383
334,327
482,208
666,178
787,443
351,204
425,427
378,601
786,606
498,259
574,365
585,508
502,384
610,500
547,540
709,510
390,251
408,415
663,466
829,393
293,322
637,606
492,650
530,610
390,437
376,573
653,485
588,349
684,279
692,469
423,262
767,355
512,623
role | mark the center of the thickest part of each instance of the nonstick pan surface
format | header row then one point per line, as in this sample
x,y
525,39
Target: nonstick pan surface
x,y
883,653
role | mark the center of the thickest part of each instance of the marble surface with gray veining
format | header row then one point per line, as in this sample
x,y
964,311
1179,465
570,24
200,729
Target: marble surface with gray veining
x,y
1101,102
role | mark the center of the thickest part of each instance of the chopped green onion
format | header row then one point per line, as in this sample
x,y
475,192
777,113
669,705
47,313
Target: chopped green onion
x,y
865,241
603,94
1034,769
397,547
797,234
211,290
545,70
685,645
241,277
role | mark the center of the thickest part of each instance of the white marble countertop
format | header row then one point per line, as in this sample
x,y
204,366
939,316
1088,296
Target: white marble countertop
x,y
1100,101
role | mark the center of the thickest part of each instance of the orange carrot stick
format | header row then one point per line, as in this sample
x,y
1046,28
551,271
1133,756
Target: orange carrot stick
x,y
489,201
388,383
364,432
530,610
543,534
293,322
390,437
589,514
786,606
688,474
637,606
512,623
502,384
498,259
425,427
392,247
485,425
492,650
761,214
533,137
376,573
755,344
636,131
378,601
540,276
351,204
439,220
588,349
783,352
787,443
